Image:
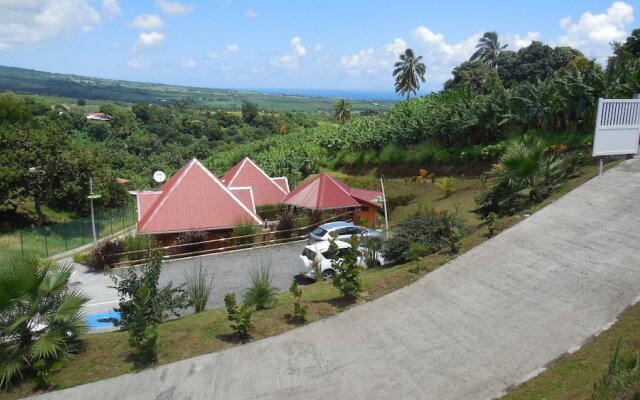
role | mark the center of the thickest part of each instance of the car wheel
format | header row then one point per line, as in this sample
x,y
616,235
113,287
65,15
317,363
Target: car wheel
x,y
328,274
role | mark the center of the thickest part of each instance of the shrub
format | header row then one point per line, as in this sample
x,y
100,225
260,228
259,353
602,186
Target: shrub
x,y
244,229
198,287
315,216
188,242
620,378
447,184
492,223
285,224
41,318
525,175
143,334
240,318
299,308
347,279
139,244
105,254
372,246
416,251
43,369
433,230
262,293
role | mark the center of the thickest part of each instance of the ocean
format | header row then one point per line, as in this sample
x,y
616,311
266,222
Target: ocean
x,y
336,93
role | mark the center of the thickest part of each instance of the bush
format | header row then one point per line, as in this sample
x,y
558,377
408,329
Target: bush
x,y
198,287
347,278
143,333
188,242
139,244
299,308
244,229
416,251
372,246
105,254
433,231
492,223
447,184
315,216
240,318
285,224
262,292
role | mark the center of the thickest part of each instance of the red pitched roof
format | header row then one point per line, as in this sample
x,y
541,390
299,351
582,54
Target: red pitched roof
x,y
367,196
322,192
193,199
266,190
283,182
245,195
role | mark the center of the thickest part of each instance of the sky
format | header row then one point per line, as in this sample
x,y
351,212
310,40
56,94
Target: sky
x,y
321,44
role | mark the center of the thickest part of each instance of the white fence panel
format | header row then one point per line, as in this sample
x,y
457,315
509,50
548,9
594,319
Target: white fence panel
x,y
617,127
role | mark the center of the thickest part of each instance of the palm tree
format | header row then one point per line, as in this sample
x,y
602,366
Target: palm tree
x,y
40,318
409,71
342,111
488,49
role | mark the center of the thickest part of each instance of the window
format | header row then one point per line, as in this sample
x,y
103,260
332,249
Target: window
x,y
310,254
319,232
365,209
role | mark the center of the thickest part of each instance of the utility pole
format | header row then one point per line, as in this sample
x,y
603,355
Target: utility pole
x,y
91,197
384,204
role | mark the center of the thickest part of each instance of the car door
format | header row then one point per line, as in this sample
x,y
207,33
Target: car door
x,y
345,233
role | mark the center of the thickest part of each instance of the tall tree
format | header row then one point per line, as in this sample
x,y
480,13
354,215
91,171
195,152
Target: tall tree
x,y
409,71
488,49
342,111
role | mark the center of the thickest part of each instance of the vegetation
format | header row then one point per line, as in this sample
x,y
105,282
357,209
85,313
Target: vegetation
x,y
300,309
261,294
408,72
189,242
623,371
434,231
285,224
447,184
198,287
105,254
41,320
240,317
244,229
488,49
142,326
347,278
342,111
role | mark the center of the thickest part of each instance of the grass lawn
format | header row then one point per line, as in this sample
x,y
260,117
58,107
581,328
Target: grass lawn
x,y
107,354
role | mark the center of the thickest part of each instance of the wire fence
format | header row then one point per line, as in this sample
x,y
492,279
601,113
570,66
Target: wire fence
x,y
53,239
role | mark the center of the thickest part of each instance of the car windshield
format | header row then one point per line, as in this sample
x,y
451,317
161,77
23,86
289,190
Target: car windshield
x,y
319,232
310,254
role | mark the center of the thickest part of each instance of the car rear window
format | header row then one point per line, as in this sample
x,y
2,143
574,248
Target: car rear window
x,y
310,254
319,232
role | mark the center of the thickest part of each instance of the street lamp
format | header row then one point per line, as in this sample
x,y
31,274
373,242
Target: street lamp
x,y
92,196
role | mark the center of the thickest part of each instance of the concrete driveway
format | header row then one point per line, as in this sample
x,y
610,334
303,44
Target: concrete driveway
x,y
470,330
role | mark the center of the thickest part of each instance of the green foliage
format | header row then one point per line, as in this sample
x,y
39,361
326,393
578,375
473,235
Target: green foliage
x,y
620,378
143,334
285,224
525,175
416,251
249,111
299,308
140,244
40,317
198,287
188,242
43,372
342,111
488,49
161,301
492,223
434,231
408,73
244,229
347,279
447,184
240,317
371,247
105,254
262,292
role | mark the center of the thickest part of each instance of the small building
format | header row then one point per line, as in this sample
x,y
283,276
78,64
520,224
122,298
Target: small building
x,y
324,192
98,117
194,199
266,190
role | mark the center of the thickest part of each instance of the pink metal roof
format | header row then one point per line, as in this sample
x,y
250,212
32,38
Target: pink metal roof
x,y
145,200
368,196
245,195
283,182
322,192
194,199
265,189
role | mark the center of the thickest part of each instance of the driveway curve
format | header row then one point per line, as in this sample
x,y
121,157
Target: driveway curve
x,y
470,330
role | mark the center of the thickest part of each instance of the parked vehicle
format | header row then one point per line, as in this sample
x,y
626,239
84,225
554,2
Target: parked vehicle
x,y
319,254
343,231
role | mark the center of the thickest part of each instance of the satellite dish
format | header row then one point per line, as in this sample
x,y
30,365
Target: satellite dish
x,y
159,176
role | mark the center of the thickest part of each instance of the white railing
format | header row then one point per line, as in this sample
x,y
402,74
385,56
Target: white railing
x,y
617,127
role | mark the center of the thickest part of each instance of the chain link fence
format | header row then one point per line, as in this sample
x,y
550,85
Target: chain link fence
x,y
57,238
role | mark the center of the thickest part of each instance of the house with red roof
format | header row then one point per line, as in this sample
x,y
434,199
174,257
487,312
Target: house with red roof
x,y
325,192
266,190
195,199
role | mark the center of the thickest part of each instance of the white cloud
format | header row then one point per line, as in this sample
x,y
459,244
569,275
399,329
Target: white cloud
x,y
147,21
397,47
33,23
147,41
228,51
139,62
251,13
318,47
516,42
111,7
374,61
188,64
593,32
174,7
290,61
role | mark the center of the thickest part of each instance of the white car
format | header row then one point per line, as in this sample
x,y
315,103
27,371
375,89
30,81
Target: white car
x,y
319,253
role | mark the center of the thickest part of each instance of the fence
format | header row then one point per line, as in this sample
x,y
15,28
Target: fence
x,y
57,238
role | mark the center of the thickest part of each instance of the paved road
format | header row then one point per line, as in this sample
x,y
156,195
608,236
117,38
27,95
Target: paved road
x,y
469,330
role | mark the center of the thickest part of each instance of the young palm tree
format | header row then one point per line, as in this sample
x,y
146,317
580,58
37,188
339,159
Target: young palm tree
x,y
488,49
342,111
40,318
409,71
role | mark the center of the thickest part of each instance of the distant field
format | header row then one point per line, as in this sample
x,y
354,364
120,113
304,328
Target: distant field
x,y
68,88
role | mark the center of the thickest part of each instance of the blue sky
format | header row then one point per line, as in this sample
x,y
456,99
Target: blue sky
x,y
328,44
